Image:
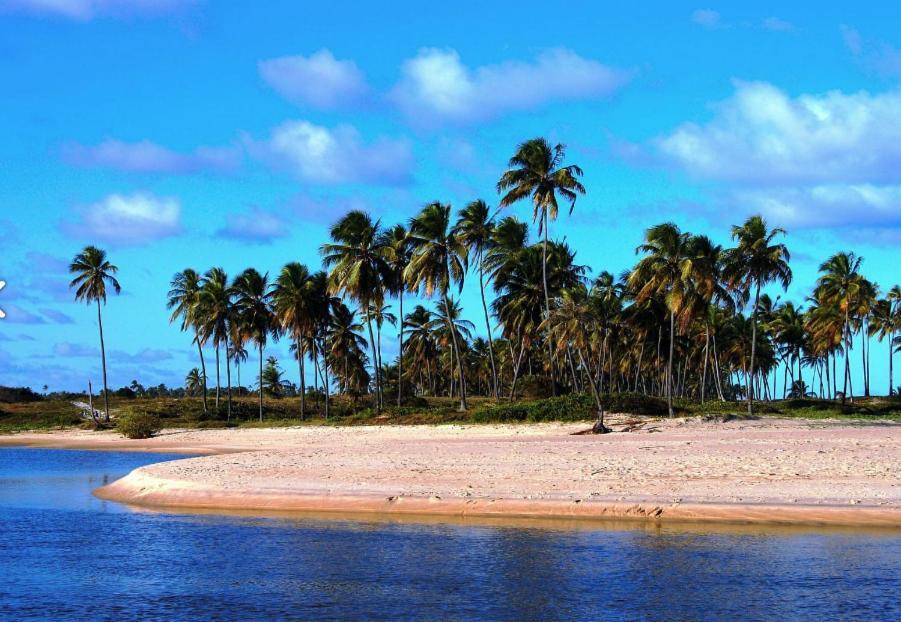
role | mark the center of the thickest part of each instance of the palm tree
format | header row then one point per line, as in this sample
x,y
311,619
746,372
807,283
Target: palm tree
x,y
272,379
215,317
439,259
253,313
421,347
183,297
194,382
397,243
537,171
885,322
92,274
293,300
358,259
237,350
346,345
754,262
381,315
667,271
475,228
840,284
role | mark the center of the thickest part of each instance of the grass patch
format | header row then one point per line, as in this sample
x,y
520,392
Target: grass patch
x,y
43,415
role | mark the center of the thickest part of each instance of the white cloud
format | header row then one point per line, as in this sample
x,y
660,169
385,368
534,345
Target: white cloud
x,y
66,349
148,157
436,86
86,10
706,18
778,25
339,155
878,56
319,80
762,135
129,220
256,225
825,206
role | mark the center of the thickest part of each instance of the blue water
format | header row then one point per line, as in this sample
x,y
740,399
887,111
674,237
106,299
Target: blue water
x,y
65,555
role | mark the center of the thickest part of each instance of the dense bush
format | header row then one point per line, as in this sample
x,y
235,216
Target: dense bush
x,y
12,395
570,408
634,403
138,424
533,387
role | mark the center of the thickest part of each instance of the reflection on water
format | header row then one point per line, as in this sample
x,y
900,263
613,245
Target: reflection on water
x,y
67,555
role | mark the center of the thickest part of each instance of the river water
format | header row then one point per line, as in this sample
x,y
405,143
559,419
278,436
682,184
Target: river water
x,y
65,555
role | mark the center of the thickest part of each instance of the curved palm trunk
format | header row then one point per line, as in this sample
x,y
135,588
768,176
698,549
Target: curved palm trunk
x,y
303,388
753,351
202,368
599,426
375,364
522,349
669,364
891,356
547,306
378,339
325,380
261,380
488,327
456,353
706,347
103,362
847,358
400,353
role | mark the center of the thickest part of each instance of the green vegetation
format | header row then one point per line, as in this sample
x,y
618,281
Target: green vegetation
x,y
38,415
136,424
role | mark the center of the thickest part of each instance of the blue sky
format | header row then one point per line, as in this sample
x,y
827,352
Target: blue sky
x,y
181,133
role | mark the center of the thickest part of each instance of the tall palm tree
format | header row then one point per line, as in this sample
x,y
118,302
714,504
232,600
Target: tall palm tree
x,y
236,349
358,259
667,271
254,314
346,345
439,259
183,298
537,171
293,300
215,316
475,228
885,322
755,261
92,274
421,348
381,315
193,382
840,284
397,243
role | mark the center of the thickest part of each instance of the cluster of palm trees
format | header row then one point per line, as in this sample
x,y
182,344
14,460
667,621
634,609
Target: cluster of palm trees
x,y
690,320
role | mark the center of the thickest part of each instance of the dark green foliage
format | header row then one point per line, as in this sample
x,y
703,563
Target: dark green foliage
x,y
10,395
533,387
138,424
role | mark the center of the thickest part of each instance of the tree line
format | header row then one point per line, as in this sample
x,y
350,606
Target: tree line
x,y
690,320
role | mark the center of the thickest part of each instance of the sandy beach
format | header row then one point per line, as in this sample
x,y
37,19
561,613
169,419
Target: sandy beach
x,y
766,470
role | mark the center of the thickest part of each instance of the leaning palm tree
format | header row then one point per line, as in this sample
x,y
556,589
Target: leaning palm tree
x,y
292,296
439,259
358,261
537,171
475,228
254,314
183,297
92,274
755,261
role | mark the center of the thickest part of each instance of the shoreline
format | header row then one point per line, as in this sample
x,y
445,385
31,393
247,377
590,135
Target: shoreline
x,y
775,472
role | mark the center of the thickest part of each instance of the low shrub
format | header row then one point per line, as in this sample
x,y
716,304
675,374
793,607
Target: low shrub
x,y
533,387
138,424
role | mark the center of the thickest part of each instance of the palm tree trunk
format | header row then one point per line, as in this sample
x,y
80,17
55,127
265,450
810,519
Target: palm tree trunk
x,y
753,351
261,380
217,378
302,385
375,361
400,354
718,374
103,362
488,327
522,350
891,343
547,306
228,379
378,339
638,367
599,425
706,349
456,353
847,358
669,363
202,368
325,382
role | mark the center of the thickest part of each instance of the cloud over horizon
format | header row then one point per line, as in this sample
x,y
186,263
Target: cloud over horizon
x,y
255,226
436,86
318,80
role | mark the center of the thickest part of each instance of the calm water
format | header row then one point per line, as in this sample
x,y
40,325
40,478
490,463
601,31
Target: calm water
x,y
66,555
